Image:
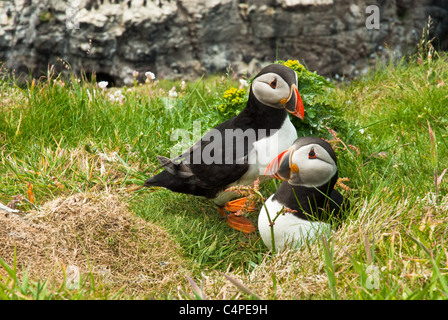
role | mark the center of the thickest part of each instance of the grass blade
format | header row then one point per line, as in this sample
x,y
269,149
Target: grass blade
x,y
197,291
329,267
242,287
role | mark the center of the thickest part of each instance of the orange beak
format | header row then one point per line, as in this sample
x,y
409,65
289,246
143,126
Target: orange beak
x,y
294,103
280,167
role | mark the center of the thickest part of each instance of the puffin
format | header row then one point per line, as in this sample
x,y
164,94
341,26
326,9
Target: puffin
x,y
237,151
305,205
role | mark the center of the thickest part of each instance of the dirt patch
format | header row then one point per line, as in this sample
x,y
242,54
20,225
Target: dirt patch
x,y
92,234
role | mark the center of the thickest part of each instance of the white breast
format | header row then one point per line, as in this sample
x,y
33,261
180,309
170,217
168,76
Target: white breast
x,y
263,152
289,230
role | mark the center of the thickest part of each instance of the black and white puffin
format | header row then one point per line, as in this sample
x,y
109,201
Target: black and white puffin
x,y
306,203
237,151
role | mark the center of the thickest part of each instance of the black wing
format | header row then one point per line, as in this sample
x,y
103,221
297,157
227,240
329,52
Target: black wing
x,y
211,164
218,159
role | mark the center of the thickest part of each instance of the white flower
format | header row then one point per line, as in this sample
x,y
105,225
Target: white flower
x,y
119,97
103,84
116,97
149,75
183,85
173,93
243,83
135,74
111,97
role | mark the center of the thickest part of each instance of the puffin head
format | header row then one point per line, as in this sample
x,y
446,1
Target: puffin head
x,y
276,86
309,162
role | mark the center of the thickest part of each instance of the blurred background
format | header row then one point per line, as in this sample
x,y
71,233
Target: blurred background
x,y
189,38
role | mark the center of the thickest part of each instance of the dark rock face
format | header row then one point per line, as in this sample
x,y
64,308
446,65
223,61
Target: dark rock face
x,y
187,38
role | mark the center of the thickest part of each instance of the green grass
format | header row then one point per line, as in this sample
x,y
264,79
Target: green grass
x,y
55,137
200,231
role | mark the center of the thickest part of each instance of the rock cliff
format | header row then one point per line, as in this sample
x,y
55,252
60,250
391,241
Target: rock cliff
x,y
187,38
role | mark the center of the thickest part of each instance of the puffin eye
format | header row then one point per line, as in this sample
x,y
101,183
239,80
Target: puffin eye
x,y
273,84
312,154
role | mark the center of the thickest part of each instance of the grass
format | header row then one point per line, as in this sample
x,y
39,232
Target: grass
x,y
62,139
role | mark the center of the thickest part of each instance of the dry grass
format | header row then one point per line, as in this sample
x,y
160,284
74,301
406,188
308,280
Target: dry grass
x,y
97,234
383,234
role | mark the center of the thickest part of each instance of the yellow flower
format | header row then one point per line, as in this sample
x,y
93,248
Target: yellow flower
x,y
294,65
241,92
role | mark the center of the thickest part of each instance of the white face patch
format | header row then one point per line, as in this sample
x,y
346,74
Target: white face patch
x,y
316,166
270,89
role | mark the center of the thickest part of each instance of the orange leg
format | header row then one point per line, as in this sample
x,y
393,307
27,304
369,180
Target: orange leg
x,y
221,211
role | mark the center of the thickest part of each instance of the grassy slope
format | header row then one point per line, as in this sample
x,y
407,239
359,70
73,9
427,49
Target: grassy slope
x,y
55,137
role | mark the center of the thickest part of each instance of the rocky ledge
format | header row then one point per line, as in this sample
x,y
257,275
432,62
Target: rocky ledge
x,y
187,38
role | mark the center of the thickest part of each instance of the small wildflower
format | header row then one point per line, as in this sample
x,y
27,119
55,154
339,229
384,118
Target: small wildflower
x,y
103,84
233,100
172,93
111,97
149,75
294,65
135,74
116,97
183,85
243,83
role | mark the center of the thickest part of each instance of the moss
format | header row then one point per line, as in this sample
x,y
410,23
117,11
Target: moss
x,y
45,17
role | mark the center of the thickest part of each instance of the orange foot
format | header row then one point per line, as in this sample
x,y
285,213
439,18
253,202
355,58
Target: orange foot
x,y
239,223
238,204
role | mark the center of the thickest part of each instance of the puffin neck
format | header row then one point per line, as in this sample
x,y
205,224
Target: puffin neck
x,y
305,199
263,116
